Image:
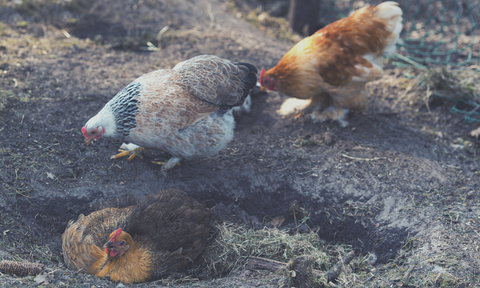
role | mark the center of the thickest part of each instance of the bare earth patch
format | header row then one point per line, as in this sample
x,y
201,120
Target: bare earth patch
x,y
399,185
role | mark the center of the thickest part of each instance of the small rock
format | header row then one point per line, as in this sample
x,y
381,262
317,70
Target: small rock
x,y
40,278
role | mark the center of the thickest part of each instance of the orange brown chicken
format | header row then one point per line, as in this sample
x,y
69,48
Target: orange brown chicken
x,y
185,111
332,67
158,235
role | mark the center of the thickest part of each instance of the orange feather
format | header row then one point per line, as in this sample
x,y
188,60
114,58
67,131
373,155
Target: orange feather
x,y
332,66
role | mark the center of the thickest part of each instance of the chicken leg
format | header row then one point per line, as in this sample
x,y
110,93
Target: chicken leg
x,y
338,107
167,165
332,112
133,151
294,107
130,150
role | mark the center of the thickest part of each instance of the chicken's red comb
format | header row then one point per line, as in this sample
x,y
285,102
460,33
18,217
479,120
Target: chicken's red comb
x,y
84,131
119,230
261,76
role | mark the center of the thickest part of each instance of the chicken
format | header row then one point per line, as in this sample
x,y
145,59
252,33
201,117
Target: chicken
x,y
185,111
332,67
158,235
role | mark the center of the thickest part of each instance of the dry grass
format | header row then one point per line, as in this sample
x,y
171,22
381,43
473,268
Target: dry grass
x,y
233,246
444,82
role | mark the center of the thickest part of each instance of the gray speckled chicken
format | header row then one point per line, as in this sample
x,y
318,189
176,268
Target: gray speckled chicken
x,y
185,111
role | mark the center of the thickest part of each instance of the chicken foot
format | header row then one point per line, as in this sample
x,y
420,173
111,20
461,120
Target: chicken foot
x,y
167,165
294,107
332,112
130,150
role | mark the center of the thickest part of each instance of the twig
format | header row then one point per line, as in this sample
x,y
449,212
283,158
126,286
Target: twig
x,y
258,263
151,47
363,159
159,36
450,166
212,18
334,272
14,190
66,34
407,274
370,278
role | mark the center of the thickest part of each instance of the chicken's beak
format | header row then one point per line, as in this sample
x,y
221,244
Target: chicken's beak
x,y
109,245
88,140
262,88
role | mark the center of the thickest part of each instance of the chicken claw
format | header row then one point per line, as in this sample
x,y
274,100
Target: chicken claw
x,y
174,161
332,113
298,115
130,150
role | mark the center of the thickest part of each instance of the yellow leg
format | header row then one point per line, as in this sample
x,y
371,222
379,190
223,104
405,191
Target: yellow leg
x,y
167,165
332,112
298,115
164,162
126,150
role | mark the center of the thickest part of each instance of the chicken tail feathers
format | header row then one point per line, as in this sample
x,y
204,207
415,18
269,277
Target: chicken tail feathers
x,y
393,14
249,81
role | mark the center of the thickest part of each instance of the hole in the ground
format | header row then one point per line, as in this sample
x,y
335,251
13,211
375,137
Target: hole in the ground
x,y
362,233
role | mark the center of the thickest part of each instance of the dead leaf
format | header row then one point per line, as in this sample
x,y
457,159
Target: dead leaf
x,y
276,222
40,278
475,133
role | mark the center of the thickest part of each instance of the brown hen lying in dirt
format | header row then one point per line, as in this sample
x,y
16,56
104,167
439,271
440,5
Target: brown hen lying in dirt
x,y
156,236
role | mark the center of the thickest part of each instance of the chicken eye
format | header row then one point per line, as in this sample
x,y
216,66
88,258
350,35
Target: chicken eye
x,y
121,243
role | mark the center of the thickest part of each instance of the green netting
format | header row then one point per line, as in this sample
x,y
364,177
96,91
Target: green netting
x,y
445,32
470,116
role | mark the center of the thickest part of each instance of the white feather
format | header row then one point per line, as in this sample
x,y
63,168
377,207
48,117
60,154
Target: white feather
x,y
390,11
107,119
238,110
292,105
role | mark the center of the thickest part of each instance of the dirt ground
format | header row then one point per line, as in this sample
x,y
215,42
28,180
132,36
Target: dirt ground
x,y
400,182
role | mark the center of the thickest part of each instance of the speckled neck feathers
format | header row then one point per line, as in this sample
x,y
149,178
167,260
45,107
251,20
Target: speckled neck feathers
x,y
124,107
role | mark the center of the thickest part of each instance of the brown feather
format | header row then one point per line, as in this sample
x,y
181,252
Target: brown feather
x,y
165,232
335,63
